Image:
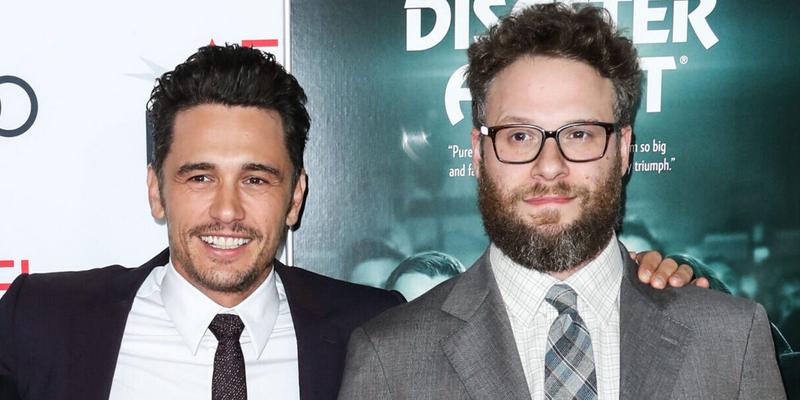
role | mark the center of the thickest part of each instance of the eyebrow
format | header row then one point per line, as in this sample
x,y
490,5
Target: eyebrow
x,y
188,168
526,121
191,167
516,120
258,167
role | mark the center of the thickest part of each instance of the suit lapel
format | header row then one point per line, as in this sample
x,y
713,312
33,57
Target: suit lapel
x,y
320,342
483,351
652,345
96,335
484,354
94,348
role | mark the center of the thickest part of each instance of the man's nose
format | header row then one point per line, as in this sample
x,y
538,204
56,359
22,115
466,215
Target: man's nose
x,y
227,206
550,164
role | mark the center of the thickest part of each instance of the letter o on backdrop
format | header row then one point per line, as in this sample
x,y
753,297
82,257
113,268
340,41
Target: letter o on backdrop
x,y
34,106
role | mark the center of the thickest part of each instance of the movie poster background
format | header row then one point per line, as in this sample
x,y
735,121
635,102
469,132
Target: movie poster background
x,y
725,140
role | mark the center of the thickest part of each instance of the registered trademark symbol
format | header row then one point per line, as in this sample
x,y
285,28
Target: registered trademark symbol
x,y
684,60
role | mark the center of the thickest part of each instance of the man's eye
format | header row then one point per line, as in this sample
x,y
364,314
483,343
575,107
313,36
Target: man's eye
x,y
521,136
255,181
578,135
200,178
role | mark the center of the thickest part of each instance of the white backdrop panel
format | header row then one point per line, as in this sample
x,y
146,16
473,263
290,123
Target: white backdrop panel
x,y
72,192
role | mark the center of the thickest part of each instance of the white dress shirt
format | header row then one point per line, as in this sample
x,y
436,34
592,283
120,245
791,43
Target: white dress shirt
x,y
597,284
167,350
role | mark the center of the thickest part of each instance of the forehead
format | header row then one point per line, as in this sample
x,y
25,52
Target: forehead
x,y
220,132
549,91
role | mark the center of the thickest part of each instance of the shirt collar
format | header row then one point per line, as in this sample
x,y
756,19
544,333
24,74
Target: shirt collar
x,y
191,311
598,282
523,289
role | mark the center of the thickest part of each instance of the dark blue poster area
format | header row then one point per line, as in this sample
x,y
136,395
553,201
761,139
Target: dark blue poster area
x,y
714,163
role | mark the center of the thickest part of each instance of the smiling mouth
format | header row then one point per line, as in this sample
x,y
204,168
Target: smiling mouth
x,y
224,242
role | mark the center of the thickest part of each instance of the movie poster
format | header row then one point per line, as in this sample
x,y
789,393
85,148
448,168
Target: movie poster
x,y
714,163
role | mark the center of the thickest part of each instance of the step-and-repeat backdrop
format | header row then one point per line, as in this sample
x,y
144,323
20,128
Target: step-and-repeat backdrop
x,y
715,161
388,159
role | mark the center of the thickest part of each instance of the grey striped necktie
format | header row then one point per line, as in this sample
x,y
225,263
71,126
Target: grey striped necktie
x,y
229,381
569,363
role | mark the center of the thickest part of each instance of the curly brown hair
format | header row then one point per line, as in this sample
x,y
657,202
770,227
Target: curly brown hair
x,y
585,34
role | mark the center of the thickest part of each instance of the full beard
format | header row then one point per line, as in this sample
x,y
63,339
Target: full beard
x,y
217,277
543,245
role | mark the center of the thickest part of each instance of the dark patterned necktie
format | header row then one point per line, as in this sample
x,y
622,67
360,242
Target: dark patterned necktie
x,y
228,381
569,363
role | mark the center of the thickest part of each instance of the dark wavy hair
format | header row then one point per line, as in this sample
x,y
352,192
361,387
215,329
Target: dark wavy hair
x,y
585,34
369,249
229,75
430,263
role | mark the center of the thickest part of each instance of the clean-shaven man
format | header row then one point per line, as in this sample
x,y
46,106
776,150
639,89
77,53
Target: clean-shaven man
x,y
553,309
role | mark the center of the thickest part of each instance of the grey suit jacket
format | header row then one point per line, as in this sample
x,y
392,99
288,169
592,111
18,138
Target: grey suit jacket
x,y
455,342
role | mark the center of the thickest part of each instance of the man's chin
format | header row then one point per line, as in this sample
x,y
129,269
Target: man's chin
x,y
550,231
548,221
225,274
232,281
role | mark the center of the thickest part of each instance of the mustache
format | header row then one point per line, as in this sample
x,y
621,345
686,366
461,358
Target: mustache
x,y
537,190
236,227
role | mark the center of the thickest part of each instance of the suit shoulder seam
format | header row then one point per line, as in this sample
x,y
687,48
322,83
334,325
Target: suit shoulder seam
x,y
378,356
746,349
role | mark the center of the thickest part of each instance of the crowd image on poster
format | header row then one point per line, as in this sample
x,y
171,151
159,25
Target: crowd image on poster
x,y
391,177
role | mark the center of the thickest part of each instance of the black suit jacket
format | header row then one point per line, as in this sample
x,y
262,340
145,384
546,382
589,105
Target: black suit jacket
x,y
60,333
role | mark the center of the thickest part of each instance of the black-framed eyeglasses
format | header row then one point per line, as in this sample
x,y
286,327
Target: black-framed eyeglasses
x,y
577,141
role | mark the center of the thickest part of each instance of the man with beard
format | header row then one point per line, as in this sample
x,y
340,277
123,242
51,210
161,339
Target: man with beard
x,y
553,309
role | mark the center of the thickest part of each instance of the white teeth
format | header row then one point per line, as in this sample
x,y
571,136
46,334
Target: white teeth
x,y
224,242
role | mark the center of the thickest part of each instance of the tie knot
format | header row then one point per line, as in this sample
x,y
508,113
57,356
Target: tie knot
x,y
562,297
226,326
